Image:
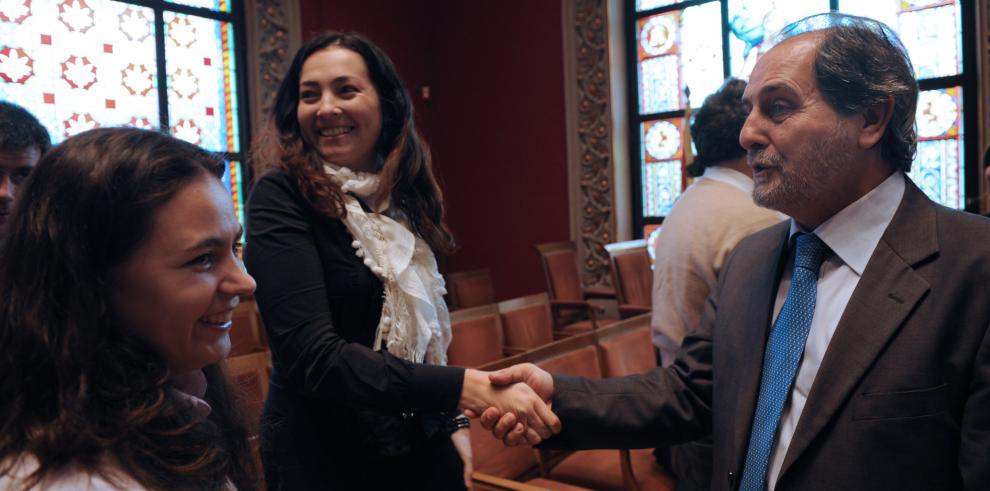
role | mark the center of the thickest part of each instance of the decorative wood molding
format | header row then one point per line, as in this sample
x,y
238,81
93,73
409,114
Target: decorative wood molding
x,y
589,135
274,35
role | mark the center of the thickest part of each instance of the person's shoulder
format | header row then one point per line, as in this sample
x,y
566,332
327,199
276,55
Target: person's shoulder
x,y
71,477
273,184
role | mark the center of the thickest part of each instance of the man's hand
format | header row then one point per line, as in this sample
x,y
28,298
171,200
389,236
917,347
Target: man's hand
x,y
506,425
532,420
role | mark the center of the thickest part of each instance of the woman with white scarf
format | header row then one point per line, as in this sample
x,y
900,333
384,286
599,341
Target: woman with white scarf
x,y
342,227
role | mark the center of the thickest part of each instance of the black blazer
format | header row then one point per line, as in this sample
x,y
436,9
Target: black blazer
x,y
901,400
321,305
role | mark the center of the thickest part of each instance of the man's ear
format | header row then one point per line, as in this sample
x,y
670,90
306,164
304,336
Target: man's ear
x,y
875,121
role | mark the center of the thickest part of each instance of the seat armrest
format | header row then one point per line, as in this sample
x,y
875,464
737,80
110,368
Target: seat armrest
x,y
630,310
599,292
571,304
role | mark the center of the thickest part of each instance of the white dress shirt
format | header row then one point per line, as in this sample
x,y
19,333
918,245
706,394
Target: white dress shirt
x,y
852,235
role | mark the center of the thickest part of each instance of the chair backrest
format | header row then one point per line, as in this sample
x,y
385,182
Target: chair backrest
x,y
631,272
627,347
527,322
476,336
249,375
247,334
559,260
470,289
491,456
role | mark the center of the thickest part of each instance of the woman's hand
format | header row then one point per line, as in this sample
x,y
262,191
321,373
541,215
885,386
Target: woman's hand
x,y
536,421
462,442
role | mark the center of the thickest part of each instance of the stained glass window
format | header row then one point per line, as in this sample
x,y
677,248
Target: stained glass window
x,y
937,167
82,64
931,31
678,49
677,45
79,64
643,5
661,155
752,23
651,232
201,91
221,5
234,181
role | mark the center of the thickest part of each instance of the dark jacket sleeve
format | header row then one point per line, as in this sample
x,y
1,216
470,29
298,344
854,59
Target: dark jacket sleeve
x,y
281,253
666,405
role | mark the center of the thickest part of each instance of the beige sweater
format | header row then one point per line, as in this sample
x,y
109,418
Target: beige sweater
x,y
705,224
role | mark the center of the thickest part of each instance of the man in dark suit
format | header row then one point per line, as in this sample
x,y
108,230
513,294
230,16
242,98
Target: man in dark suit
x,y
847,348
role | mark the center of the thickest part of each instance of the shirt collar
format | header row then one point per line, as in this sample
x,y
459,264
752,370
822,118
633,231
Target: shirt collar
x,y
729,176
853,233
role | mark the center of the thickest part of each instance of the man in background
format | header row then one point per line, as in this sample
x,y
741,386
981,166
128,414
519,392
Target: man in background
x,y
706,223
23,141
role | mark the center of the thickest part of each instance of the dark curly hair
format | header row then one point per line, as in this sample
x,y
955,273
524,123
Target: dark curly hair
x,y
716,127
406,171
77,386
20,130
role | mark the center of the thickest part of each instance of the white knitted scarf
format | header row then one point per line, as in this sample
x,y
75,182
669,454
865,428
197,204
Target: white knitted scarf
x,y
415,323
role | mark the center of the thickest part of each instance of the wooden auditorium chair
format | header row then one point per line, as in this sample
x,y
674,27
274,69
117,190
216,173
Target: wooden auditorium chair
x,y
527,323
632,276
476,336
247,334
627,349
249,375
470,289
568,297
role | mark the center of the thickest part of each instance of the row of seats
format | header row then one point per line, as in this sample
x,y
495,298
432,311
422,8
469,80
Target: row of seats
x,y
623,348
490,332
632,278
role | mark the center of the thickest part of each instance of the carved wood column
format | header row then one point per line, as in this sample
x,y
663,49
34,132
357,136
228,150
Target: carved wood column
x,y
273,34
589,135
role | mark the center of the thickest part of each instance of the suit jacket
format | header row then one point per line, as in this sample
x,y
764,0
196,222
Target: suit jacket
x,y
902,397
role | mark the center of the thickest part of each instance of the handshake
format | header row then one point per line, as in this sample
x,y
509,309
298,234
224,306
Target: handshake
x,y
514,403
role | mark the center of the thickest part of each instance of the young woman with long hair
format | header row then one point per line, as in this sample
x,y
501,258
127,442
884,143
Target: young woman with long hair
x,y
342,227
117,286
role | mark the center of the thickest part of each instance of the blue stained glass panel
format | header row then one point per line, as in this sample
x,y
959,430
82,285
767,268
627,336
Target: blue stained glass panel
x,y
658,85
661,187
199,58
932,35
938,165
79,64
753,23
661,154
676,50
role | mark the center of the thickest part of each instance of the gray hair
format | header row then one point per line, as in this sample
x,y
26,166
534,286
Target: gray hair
x,y
861,62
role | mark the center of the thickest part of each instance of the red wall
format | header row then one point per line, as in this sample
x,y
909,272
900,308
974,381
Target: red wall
x,y
495,118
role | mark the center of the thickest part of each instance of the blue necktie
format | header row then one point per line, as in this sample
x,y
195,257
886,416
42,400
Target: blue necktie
x,y
782,357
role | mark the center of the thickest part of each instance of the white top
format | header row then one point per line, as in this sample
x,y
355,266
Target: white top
x,y
71,478
729,176
852,234
699,233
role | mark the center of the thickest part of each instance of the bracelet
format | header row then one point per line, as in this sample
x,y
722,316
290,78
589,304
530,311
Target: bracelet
x,y
460,421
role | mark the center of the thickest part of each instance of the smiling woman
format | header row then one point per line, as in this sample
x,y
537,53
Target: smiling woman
x,y
116,290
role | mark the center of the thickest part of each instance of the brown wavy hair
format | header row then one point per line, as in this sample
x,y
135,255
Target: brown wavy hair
x,y
80,388
405,165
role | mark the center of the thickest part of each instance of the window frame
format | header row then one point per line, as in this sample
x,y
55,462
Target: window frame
x,y
236,19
